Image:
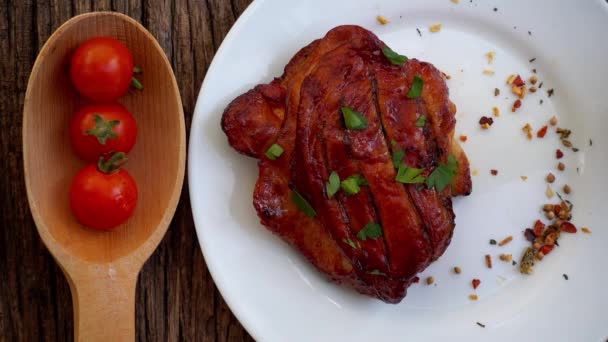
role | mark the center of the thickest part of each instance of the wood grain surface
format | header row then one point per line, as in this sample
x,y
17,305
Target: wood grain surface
x,y
176,299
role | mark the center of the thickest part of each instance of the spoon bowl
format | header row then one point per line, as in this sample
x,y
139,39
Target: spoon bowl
x,y
102,267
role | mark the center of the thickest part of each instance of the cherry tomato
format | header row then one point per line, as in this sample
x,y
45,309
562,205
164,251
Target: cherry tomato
x,y
101,69
103,196
101,128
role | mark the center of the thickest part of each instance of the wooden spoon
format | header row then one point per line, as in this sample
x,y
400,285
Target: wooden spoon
x,y
102,267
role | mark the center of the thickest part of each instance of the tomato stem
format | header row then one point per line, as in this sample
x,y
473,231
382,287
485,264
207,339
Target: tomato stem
x,y
136,84
103,130
113,163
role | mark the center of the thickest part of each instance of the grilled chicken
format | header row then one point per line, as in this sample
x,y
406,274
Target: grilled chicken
x,y
302,113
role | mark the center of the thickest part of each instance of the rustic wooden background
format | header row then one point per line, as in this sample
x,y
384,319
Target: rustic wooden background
x,y
176,297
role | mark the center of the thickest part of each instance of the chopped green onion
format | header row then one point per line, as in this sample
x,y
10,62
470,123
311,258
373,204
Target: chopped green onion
x,y
352,119
409,175
333,184
302,204
421,121
351,185
416,88
443,175
371,230
274,151
393,57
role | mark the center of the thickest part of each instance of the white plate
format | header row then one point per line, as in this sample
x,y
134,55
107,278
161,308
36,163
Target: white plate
x,y
278,296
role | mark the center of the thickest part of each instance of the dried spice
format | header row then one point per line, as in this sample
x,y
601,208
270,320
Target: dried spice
x,y
542,132
457,270
505,240
485,122
488,259
516,105
475,283
527,261
430,280
506,257
494,172
559,154
529,234
492,242
382,20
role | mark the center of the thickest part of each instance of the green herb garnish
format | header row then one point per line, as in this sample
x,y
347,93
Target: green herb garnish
x,y
442,175
333,184
393,57
352,119
371,230
421,121
274,151
351,243
409,175
393,142
351,185
398,157
416,88
302,204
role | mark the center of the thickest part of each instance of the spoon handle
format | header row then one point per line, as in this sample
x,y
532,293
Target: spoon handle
x,y
104,304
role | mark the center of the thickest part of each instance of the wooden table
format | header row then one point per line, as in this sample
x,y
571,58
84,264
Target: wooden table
x,y
176,297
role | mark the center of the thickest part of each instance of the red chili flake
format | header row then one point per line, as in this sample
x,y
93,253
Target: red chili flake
x,y
463,138
559,154
539,227
529,234
541,132
475,283
516,105
567,227
518,81
546,249
494,172
415,280
556,209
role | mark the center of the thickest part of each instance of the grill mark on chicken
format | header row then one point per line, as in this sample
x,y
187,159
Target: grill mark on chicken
x,y
279,112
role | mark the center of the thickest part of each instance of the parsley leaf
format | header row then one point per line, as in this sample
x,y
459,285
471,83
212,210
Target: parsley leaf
x,y
350,185
274,151
352,119
443,175
333,184
409,175
302,204
371,230
398,157
351,243
393,57
421,121
416,88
